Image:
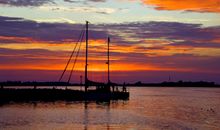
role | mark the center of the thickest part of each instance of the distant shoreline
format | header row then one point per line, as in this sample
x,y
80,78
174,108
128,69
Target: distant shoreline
x,y
137,84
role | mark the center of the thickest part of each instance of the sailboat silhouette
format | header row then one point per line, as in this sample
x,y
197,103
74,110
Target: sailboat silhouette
x,y
102,92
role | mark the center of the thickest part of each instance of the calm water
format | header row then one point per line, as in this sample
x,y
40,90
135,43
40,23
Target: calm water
x,y
148,108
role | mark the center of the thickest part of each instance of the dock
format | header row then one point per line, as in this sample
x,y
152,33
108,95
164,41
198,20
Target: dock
x,y
51,95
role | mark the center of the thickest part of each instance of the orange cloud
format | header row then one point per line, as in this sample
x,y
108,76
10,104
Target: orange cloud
x,y
186,5
16,39
175,50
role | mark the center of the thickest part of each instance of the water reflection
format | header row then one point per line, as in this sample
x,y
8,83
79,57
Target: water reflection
x,y
86,113
82,115
107,114
148,108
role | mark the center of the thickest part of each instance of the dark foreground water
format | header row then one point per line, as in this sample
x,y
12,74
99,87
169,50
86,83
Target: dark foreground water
x,y
148,108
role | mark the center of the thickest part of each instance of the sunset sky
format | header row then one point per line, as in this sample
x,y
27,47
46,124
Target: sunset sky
x,y
150,39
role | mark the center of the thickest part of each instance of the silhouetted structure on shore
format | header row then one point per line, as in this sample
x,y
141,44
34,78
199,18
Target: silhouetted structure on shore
x,y
177,84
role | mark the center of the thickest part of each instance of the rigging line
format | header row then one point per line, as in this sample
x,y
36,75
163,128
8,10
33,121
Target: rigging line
x,y
77,54
71,55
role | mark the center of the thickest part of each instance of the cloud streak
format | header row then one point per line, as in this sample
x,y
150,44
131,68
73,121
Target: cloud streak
x,y
36,3
84,1
22,3
82,9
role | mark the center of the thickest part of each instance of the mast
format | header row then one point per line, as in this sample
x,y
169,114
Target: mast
x,y
108,61
86,66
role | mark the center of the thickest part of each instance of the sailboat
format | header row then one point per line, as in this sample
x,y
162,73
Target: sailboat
x,y
103,91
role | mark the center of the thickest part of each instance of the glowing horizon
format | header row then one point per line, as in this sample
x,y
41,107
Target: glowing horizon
x,y
146,35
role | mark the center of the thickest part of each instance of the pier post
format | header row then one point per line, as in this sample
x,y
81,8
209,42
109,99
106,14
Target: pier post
x,y
2,87
80,82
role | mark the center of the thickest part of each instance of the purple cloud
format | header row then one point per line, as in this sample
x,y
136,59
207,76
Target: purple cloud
x,y
25,2
22,3
50,32
186,34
